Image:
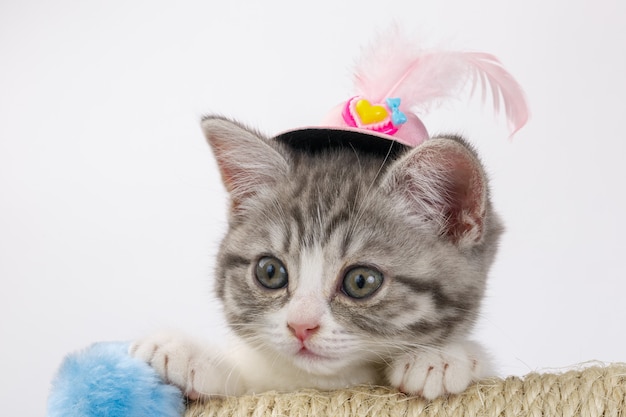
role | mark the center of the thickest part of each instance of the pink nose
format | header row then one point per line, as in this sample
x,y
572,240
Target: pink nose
x,y
303,330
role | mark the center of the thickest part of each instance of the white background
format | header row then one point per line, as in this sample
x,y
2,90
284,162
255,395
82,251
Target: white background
x,y
111,208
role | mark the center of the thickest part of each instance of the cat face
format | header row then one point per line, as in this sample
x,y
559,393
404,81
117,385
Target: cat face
x,y
338,256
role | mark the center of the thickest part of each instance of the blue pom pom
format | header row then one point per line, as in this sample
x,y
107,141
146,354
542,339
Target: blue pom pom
x,y
105,381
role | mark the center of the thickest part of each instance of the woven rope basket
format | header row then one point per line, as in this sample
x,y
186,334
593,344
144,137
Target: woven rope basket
x,y
594,391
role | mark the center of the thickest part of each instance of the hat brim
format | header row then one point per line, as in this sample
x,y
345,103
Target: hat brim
x,y
317,139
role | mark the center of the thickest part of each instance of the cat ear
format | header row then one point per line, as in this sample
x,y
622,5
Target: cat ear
x,y
443,181
246,160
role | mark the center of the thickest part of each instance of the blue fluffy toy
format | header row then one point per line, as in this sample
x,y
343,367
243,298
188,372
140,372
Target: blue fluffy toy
x,y
105,381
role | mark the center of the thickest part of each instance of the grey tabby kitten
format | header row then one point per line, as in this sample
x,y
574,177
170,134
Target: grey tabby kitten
x,y
349,259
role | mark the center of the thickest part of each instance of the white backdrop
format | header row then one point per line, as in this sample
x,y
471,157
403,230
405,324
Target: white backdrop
x,y
111,208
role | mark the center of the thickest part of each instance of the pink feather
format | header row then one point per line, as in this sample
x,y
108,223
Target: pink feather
x,y
506,92
394,67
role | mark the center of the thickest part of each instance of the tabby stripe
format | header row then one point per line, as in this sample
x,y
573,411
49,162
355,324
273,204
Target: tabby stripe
x,y
296,215
441,299
337,220
231,260
421,287
286,239
299,187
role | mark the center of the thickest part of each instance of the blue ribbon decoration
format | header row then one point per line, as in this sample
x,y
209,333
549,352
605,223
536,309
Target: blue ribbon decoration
x,y
397,117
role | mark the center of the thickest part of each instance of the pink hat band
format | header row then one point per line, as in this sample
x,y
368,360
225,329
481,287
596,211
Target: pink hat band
x,y
386,119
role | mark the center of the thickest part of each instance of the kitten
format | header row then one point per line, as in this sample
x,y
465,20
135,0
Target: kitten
x,y
349,259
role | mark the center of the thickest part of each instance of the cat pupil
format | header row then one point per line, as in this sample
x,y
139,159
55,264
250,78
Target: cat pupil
x,y
360,281
271,270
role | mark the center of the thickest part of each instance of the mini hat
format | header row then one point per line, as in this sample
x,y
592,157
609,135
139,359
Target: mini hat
x,y
395,81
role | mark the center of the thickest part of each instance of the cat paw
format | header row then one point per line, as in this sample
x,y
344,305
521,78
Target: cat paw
x,y
433,373
197,370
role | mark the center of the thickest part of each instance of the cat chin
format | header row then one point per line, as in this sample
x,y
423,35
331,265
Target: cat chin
x,y
316,364
316,361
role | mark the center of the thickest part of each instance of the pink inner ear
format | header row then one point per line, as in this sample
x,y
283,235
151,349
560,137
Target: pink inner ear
x,y
232,174
466,198
447,181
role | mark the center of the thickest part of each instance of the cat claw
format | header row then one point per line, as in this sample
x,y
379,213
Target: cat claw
x,y
170,356
180,361
431,374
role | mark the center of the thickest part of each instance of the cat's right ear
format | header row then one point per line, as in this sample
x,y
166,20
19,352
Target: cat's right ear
x,y
443,182
246,160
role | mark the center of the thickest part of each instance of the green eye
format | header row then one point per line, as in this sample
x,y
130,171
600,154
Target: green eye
x,y
361,282
271,273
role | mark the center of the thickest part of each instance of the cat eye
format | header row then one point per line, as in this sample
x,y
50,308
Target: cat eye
x,y
271,273
361,282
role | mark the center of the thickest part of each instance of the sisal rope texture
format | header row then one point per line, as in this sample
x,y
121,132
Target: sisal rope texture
x,y
595,391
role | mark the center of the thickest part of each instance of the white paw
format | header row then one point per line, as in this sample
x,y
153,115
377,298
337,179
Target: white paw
x,y
198,371
433,373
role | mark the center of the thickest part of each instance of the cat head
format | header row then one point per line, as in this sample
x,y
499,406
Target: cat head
x,y
344,248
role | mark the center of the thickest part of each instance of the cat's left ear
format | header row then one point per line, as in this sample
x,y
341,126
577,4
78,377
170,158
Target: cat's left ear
x,y
246,160
442,181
